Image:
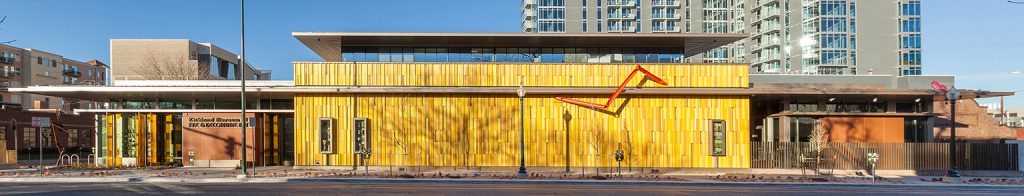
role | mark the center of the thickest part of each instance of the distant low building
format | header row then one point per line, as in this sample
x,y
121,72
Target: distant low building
x,y
176,59
22,67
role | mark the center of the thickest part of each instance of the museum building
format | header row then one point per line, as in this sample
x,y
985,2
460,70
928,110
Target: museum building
x,y
465,100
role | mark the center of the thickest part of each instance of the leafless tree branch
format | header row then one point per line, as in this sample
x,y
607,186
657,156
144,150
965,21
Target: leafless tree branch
x,y
6,42
156,67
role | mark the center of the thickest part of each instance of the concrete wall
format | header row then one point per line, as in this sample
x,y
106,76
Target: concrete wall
x,y
877,37
128,58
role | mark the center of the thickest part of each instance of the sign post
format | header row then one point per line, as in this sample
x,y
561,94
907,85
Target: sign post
x,y
873,161
38,123
619,156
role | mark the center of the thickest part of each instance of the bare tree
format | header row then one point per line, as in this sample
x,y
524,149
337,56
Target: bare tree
x,y
155,67
6,42
819,141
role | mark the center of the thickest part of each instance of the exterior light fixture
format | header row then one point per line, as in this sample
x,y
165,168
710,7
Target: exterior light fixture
x,y
521,92
952,95
522,132
831,99
874,100
917,100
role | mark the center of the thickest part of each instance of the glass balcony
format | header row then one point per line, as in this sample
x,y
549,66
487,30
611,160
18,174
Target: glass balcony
x,y
620,3
665,3
664,16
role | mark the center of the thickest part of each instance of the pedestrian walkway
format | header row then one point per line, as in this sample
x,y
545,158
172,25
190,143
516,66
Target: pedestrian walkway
x,y
289,174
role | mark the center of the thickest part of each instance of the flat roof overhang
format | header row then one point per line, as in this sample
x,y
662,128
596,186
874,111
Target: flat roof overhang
x,y
107,93
328,44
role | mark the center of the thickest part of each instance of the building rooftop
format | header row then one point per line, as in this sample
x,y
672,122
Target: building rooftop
x,y
328,44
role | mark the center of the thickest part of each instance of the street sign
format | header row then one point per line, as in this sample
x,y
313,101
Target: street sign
x,y
41,122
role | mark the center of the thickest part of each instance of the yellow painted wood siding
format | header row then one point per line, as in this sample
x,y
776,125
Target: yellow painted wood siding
x,y
483,130
510,74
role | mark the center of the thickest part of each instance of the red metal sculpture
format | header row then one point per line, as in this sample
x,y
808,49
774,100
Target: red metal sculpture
x,y
618,91
57,125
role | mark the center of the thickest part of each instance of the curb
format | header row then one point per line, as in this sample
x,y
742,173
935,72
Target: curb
x,y
633,183
476,181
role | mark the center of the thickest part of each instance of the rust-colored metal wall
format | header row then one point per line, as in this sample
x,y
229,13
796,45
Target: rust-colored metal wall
x,y
864,129
218,142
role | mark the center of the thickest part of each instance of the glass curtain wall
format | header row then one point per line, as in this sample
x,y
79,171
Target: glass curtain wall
x,y
520,55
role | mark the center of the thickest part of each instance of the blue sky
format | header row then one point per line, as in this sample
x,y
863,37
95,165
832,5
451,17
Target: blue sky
x,y
979,41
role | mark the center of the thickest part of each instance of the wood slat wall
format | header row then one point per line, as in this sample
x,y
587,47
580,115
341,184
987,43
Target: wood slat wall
x,y
892,156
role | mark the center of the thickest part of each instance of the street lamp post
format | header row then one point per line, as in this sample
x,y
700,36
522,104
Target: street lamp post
x,y
952,95
522,132
242,68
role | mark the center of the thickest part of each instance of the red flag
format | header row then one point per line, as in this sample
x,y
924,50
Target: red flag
x,y
939,86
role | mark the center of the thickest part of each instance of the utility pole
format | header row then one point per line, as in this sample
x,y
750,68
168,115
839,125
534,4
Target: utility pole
x,y
242,68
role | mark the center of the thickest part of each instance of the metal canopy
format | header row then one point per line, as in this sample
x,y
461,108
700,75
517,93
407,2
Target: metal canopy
x,y
328,44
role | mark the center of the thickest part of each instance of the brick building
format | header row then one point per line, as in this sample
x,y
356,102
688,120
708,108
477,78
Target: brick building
x,y
973,123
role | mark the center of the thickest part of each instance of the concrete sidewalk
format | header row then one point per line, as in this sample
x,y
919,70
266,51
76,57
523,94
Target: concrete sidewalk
x,y
475,181
291,175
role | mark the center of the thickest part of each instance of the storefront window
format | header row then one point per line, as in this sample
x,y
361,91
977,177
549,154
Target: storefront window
x,y
800,128
914,130
127,136
803,107
910,107
101,135
176,135
204,104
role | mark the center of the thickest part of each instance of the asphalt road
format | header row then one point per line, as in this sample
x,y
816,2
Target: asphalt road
x,y
250,189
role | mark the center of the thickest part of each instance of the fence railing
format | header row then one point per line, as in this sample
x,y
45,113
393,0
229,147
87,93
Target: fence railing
x,y
892,156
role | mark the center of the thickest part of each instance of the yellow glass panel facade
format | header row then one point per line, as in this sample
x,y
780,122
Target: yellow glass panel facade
x,y
483,130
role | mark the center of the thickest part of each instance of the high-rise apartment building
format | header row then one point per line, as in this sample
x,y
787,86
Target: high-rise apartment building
x,y
21,67
835,37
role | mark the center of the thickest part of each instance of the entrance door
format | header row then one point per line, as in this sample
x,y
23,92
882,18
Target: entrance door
x,y
287,138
